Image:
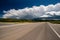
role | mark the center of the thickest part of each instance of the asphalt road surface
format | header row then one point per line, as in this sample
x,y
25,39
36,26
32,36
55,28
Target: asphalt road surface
x,y
30,31
5,24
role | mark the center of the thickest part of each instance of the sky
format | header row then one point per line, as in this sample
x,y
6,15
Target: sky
x,y
6,6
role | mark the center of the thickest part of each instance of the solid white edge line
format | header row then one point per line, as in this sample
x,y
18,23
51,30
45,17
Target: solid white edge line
x,y
54,30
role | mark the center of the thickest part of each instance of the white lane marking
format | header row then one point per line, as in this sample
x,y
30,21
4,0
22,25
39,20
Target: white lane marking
x,y
53,30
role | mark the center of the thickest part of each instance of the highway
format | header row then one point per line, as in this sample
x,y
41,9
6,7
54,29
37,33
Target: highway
x,y
30,31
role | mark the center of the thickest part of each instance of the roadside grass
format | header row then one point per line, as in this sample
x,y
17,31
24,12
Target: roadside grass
x,y
51,21
55,22
29,21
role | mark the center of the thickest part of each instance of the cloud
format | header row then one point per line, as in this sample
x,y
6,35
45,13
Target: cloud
x,y
34,12
51,14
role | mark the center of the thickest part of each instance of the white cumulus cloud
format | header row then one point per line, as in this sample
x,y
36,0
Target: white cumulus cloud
x,y
33,12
